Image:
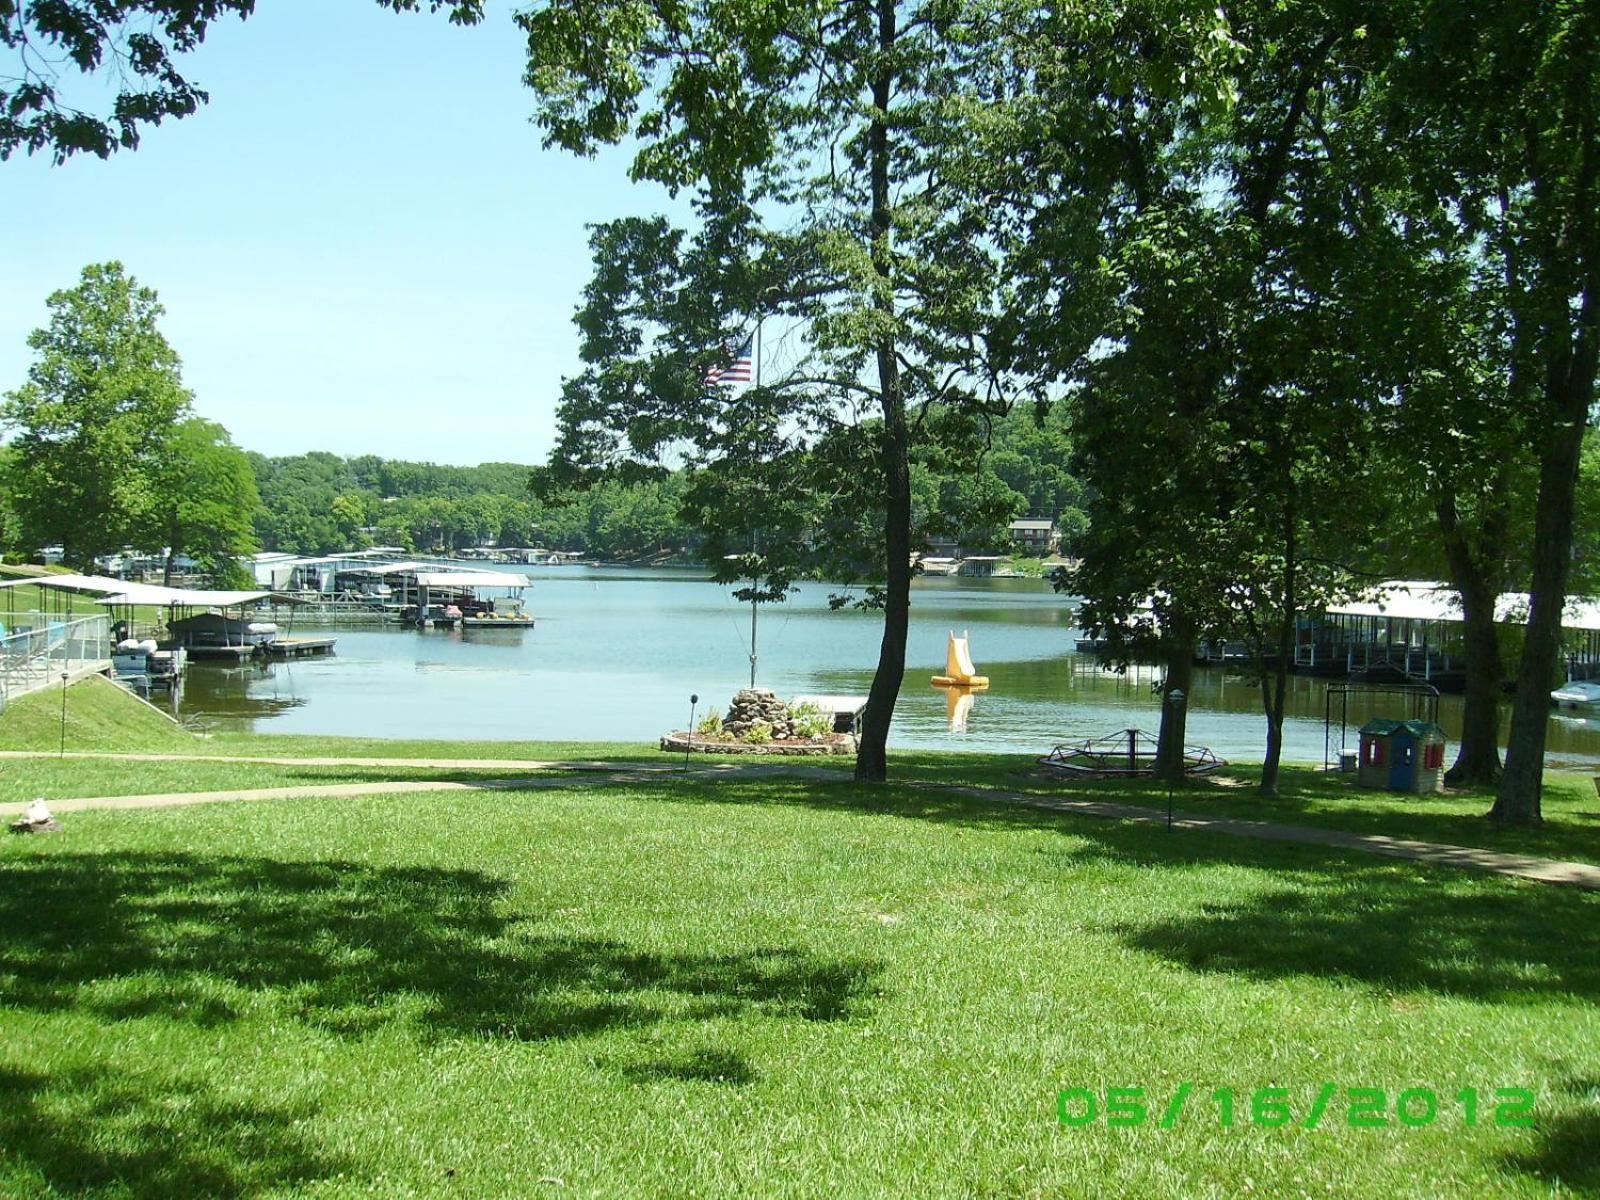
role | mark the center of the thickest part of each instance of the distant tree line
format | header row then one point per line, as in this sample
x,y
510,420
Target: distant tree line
x,y
319,502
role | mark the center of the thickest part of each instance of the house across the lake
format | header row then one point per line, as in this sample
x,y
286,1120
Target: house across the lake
x,y
1038,535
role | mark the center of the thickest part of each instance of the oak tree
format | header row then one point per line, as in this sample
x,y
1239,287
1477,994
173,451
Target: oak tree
x,y
93,420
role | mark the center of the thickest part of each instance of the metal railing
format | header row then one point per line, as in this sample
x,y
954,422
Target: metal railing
x,y
37,650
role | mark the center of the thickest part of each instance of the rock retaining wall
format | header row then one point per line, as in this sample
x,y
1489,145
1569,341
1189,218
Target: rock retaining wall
x,y
841,743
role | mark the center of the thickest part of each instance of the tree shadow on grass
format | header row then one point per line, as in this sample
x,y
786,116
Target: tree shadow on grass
x,y
1421,930
1321,912
696,1066
91,1131
351,947
1323,800
1567,1153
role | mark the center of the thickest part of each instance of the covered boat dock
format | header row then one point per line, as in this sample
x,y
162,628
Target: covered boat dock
x,y
1412,630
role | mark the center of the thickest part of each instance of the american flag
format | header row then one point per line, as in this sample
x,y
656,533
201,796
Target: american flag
x,y
740,370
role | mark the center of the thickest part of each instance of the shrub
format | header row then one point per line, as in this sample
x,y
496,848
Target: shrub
x,y
710,724
810,722
759,733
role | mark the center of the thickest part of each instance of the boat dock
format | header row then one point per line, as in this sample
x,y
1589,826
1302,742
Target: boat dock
x,y
297,647
235,653
1400,631
845,711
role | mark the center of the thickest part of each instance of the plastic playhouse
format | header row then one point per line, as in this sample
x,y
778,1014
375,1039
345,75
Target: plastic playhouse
x,y
1401,756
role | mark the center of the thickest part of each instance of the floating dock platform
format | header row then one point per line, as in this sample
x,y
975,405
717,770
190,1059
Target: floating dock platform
x,y
298,647
235,653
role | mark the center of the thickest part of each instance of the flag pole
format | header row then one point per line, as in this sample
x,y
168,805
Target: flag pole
x,y
754,549
754,544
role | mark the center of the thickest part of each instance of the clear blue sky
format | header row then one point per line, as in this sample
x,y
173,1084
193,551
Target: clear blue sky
x,y
360,243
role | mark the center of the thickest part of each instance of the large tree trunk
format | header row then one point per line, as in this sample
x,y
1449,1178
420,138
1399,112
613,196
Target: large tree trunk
x,y
1275,692
1518,801
1569,355
1276,698
1478,760
1179,677
872,756
1478,578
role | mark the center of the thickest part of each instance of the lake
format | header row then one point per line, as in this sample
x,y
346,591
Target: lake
x,y
617,653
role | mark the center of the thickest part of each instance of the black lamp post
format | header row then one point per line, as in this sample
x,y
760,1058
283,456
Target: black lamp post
x,y
694,698
1175,699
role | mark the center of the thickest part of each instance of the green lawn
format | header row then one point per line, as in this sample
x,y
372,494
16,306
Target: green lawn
x,y
772,988
53,779
1309,796
101,716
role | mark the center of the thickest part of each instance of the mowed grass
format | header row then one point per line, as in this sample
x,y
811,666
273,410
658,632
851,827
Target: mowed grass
x,y
104,718
30,604
57,779
1308,796
99,715
760,988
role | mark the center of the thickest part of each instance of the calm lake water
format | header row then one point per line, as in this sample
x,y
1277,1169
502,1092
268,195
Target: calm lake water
x,y
616,654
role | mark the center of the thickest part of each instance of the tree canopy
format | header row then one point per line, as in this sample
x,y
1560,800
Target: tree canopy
x,y
819,142
204,499
57,47
101,400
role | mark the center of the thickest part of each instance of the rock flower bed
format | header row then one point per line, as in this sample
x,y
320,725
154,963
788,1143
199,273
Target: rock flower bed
x,y
759,723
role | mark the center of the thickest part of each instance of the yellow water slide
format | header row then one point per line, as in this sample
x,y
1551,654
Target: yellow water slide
x,y
958,669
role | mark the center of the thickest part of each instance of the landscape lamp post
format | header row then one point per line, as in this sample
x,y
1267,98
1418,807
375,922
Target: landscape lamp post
x,y
62,753
694,698
1174,698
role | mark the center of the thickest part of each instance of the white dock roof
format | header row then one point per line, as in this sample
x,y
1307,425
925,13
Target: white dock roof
x,y
1429,600
470,579
170,597
390,568
102,584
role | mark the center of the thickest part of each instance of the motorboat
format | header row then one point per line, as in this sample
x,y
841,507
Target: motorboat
x,y
1576,693
217,635
147,666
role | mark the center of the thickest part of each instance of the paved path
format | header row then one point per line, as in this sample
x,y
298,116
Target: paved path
x,y
421,764
602,766
321,790
1542,870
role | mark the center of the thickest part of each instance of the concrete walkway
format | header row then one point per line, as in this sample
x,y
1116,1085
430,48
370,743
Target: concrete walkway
x,y
1541,870
421,764
1523,866
301,792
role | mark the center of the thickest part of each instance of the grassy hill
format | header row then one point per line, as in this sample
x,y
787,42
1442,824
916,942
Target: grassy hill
x,y
100,716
